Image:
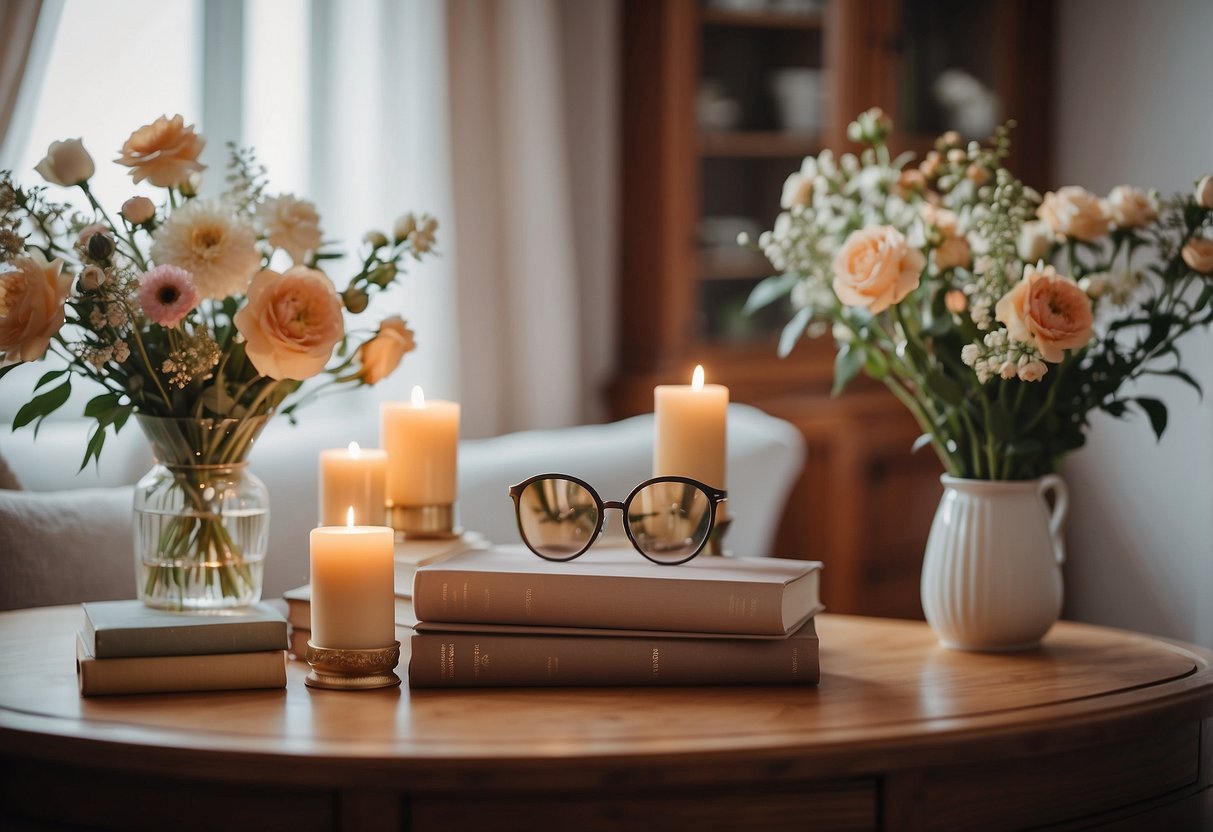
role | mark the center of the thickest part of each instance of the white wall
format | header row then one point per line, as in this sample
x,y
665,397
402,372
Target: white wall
x,y
1134,104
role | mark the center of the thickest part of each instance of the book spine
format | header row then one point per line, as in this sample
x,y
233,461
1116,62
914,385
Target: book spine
x,y
192,640
167,674
442,660
604,602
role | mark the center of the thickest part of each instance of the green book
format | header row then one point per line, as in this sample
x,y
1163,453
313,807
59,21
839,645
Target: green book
x,y
121,629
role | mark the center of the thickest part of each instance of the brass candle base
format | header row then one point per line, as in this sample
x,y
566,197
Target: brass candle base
x,y
424,522
335,668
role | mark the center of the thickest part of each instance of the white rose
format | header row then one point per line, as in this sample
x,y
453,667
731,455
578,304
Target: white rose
x,y
67,163
1198,254
1204,192
1036,238
1130,207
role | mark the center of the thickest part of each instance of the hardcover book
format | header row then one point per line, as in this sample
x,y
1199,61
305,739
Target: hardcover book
x,y
614,588
299,608
511,659
122,629
175,674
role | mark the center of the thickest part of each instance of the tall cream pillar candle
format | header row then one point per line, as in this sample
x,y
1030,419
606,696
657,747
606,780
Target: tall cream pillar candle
x,y
354,477
353,598
690,430
422,443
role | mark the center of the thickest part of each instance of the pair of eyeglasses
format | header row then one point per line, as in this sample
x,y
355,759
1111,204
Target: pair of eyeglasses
x,y
667,519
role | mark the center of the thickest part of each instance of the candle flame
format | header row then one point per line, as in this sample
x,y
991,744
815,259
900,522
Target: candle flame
x,y
349,517
355,451
697,378
418,396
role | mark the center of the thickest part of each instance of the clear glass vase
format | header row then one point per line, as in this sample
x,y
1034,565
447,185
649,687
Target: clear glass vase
x,y
201,517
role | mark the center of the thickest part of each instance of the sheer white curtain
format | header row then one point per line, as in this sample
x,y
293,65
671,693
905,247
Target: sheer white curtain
x,y
27,30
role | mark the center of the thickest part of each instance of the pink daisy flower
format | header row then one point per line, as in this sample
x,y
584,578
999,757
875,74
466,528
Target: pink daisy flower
x,y
167,294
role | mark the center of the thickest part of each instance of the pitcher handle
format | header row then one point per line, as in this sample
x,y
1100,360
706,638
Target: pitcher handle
x,y
1061,504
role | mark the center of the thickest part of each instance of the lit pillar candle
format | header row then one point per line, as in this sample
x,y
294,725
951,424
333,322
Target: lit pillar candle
x,y
353,478
422,443
690,430
353,599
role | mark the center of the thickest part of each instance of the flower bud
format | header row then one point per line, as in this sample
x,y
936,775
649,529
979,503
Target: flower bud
x,y
375,239
1204,192
92,278
948,141
404,226
355,299
138,209
384,275
191,185
100,246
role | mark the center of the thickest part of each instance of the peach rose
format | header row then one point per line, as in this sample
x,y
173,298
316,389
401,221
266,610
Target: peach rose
x,y
164,152
381,355
291,224
876,268
291,322
31,306
1198,254
1130,207
67,163
1047,310
1204,192
138,210
953,251
1074,212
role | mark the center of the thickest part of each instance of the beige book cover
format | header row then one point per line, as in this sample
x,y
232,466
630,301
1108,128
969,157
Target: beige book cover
x,y
614,588
170,674
118,629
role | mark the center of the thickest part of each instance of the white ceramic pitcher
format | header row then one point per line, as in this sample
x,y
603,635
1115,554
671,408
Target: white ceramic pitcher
x,y
991,575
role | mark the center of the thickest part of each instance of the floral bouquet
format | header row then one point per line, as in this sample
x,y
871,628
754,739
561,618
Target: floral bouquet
x,y
201,316
1000,319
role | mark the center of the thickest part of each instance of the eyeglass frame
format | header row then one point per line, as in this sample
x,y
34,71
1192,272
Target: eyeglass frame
x,y
715,496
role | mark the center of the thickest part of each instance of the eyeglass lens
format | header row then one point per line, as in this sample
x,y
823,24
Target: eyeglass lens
x,y
668,521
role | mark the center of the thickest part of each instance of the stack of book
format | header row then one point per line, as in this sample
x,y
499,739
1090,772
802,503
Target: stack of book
x,y
126,647
504,617
408,556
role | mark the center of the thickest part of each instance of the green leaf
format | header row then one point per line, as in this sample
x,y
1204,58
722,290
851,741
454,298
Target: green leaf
x,y
1025,447
1184,377
47,378
100,404
39,407
1157,413
1203,299
93,451
847,364
8,368
769,290
945,388
1001,423
1115,408
793,330
876,365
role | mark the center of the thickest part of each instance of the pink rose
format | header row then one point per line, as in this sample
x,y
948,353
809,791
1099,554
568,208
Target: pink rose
x,y
67,163
31,306
291,322
381,355
876,268
1198,254
1047,310
1074,212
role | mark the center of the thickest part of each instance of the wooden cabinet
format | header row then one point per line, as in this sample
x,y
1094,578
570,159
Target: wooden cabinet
x,y
721,102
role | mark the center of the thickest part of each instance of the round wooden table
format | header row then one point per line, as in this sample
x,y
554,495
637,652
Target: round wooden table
x,y
1098,726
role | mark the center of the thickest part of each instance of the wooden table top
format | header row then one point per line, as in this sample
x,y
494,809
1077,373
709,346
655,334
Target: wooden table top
x,y
889,697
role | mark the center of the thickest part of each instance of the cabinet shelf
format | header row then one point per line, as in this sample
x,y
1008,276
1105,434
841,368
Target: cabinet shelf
x,y
743,144
762,20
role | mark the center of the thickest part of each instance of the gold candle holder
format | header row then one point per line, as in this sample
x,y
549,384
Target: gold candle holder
x,y
338,668
433,522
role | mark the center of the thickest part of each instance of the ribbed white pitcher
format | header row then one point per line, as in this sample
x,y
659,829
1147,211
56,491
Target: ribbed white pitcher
x,y
991,576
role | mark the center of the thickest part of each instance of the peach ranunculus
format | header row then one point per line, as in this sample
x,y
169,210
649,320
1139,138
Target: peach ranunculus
x,y
164,152
291,224
1198,254
381,355
67,163
1130,207
1047,310
291,322
1074,212
31,306
876,268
